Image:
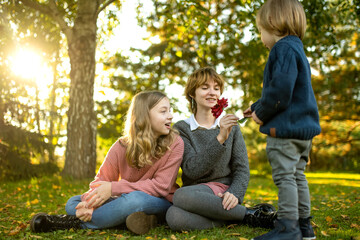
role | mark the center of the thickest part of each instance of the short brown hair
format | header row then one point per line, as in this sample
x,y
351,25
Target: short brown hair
x,y
199,78
282,17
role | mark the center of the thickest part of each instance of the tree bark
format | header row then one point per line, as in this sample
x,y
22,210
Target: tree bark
x,y
80,156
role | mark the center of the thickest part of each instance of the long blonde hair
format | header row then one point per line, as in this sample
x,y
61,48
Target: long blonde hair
x,y
198,78
282,17
142,147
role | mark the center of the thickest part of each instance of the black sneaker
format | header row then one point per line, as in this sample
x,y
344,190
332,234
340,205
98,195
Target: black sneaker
x,y
43,222
285,229
261,215
306,228
140,223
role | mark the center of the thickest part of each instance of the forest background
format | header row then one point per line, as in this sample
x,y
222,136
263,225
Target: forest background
x,y
68,129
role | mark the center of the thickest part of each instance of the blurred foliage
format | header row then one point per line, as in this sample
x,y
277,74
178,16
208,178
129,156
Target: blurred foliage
x,y
190,34
28,148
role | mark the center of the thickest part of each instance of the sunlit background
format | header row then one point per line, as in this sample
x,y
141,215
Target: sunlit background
x,y
334,67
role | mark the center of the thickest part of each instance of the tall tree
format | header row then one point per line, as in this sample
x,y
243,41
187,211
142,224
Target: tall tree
x,y
77,20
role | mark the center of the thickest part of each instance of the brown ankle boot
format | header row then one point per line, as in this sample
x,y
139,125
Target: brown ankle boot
x,y
140,223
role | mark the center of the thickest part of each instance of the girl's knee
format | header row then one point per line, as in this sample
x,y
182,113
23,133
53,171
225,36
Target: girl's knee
x,y
179,196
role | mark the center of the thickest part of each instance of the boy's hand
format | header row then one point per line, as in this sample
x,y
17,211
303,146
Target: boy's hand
x,y
247,112
256,119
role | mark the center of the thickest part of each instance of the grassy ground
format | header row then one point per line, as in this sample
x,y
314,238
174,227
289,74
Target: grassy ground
x,y
335,207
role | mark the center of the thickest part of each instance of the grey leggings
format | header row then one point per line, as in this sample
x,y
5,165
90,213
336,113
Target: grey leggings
x,y
196,207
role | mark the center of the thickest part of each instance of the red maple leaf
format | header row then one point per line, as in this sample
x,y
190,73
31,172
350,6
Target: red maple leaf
x,y
219,107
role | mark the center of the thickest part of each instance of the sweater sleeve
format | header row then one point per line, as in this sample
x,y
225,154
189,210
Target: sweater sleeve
x,y
195,163
108,170
163,179
279,81
239,166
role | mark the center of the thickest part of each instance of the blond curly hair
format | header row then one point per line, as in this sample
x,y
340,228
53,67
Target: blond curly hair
x,y
142,148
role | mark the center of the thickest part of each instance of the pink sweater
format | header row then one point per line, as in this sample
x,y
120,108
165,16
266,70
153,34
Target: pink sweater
x,y
157,180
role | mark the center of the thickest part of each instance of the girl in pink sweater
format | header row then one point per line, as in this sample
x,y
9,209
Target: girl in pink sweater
x,y
136,181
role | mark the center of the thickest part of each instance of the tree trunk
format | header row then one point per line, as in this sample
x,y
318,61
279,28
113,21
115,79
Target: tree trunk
x,y
53,114
80,156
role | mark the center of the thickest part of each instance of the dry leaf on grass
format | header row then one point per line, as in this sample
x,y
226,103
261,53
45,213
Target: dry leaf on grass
x,y
324,234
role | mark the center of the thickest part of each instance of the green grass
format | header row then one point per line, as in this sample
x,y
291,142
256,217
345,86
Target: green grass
x,y
335,207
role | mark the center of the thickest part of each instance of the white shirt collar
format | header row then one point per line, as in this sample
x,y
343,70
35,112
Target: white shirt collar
x,y
195,125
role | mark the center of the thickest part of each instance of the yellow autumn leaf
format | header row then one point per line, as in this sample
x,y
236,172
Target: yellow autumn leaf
x,y
35,201
179,54
328,219
55,186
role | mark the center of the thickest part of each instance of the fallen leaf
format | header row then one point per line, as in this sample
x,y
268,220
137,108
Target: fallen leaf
x,y
346,217
14,232
354,225
233,234
173,237
231,226
314,225
324,234
35,236
328,219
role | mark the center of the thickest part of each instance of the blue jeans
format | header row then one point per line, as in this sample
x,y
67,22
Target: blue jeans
x,y
115,210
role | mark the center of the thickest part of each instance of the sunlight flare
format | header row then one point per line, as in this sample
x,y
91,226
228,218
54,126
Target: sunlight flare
x,y
28,64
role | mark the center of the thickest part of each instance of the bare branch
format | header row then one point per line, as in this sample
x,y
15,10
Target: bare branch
x,y
59,18
37,6
51,10
104,5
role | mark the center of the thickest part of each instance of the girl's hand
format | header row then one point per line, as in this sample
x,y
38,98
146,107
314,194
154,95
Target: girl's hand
x,y
229,200
99,195
83,213
256,119
226,124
